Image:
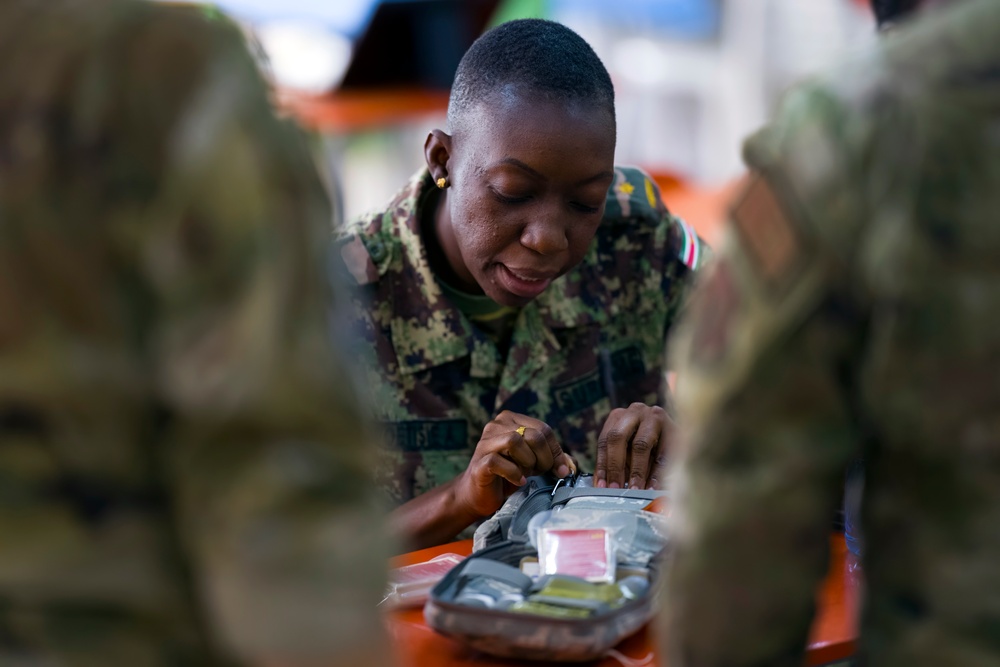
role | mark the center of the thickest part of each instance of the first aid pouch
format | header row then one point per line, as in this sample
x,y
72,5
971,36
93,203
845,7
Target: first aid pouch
x,y
562,572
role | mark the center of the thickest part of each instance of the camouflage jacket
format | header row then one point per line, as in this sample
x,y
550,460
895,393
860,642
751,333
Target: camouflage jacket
x,y
596,335
852,311
182,473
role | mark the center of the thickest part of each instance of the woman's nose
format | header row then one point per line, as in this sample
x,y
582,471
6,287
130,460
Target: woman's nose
x,y
546,235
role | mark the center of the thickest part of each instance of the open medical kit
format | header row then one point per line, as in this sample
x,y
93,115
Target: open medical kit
x,y
562,572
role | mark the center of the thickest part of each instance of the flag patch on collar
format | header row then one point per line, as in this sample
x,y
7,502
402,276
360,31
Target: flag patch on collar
x,y
690,248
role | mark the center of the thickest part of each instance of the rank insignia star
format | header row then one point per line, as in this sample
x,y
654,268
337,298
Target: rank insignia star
x,y
626,188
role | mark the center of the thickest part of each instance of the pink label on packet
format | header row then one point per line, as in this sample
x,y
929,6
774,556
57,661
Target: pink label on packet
x,y
584,553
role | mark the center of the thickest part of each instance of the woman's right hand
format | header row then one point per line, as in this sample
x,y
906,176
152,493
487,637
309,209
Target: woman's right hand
x,y
512,446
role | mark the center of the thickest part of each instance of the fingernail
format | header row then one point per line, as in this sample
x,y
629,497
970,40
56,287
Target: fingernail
x,y
522,481
601,484
636,483
563,470
614,485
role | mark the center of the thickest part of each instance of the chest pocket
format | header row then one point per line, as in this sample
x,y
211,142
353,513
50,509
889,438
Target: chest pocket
x,y
619,375
606,376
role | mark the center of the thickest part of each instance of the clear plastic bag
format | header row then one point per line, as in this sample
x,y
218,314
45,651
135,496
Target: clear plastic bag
x,y
636,536
409,586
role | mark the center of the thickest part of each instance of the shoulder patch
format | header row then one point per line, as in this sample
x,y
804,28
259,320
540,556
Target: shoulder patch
x,y
358,261
713,312
633,194
653,194
773,241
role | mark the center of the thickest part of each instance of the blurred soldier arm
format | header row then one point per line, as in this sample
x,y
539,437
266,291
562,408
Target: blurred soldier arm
x,y
765,395
262,446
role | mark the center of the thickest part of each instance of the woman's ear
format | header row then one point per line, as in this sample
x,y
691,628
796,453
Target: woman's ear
x,y
437,153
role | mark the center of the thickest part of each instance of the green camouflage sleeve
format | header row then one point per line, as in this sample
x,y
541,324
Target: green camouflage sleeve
x,y
763,390
265,450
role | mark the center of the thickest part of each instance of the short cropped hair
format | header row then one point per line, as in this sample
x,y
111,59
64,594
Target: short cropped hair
x,y
889,11
538,55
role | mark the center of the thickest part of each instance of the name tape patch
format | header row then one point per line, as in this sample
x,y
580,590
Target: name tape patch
x,y
429,435
579,394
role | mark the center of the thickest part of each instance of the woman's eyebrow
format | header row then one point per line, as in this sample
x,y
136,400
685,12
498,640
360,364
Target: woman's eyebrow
x,y
520,165
514,162
597,177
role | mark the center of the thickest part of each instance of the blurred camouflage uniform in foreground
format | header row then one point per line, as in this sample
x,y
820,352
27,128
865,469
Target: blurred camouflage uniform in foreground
x,y
182,475
853,310
593,338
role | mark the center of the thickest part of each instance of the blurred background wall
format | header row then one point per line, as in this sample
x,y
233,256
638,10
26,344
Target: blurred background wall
x,y
692,78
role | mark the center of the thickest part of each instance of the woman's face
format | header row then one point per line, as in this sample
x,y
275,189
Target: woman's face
x,y
528,180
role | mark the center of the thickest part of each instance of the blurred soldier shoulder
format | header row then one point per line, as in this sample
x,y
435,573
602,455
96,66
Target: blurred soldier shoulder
x,y
851,312
184,477
847,156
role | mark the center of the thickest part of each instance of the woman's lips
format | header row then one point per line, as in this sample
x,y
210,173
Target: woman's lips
x,y
527,285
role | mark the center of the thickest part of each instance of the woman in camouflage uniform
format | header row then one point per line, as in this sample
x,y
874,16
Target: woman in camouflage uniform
x,y
514,297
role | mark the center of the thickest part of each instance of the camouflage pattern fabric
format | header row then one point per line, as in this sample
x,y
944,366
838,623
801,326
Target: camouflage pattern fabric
x,y
852,311
592,341
182,473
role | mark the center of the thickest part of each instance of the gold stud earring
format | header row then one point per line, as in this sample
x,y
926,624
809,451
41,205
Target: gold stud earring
x,y
442,183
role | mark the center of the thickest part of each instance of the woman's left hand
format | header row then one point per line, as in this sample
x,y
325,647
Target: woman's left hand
x,y
632,447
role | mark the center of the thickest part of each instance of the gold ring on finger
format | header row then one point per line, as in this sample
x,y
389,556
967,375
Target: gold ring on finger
x,y
520,431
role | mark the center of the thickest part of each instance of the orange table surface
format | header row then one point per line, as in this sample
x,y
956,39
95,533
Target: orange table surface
x,y
832,638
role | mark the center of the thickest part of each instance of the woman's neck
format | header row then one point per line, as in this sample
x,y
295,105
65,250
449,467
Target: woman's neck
x,y
436,233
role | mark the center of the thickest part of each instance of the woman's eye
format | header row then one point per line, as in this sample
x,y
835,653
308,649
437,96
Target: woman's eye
x,y
510,199
584,208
